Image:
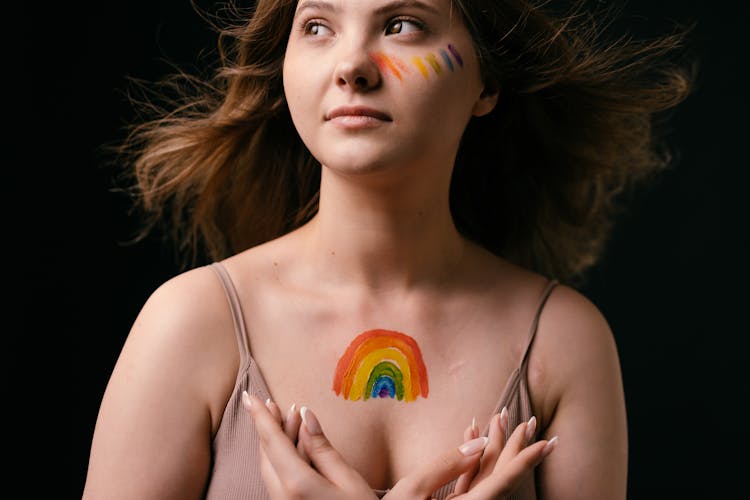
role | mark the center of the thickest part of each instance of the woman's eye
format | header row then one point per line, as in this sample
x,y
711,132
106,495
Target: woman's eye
x,y
317,29
398,26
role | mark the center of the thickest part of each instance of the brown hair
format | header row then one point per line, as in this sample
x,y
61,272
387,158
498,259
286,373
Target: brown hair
x,y
535,181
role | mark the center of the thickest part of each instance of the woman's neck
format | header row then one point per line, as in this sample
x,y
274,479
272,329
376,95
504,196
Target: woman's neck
x,y
387,237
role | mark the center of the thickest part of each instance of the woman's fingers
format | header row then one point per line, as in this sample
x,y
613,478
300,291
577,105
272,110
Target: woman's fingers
x,y
292,421
504,480
495,445
324,457
465,479
292,424
515,444
448,466
279,450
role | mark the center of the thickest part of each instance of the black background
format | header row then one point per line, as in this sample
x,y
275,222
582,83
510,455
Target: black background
x,y
672,282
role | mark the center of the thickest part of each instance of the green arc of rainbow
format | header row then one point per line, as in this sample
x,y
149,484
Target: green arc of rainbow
x,y
381,363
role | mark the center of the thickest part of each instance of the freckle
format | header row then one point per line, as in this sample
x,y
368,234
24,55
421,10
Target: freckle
x,y
430,58
333,253
420,66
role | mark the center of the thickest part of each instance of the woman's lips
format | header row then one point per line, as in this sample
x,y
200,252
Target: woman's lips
x,y
357,117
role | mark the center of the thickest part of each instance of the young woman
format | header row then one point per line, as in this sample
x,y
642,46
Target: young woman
x,y
389,192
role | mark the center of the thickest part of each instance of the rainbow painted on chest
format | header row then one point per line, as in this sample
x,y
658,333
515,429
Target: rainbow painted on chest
x,y
381,364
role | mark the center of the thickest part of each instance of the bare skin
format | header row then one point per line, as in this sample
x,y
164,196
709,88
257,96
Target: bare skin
x,y
382,252
490,467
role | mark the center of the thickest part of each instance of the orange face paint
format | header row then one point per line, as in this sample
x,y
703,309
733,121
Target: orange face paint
x,y
385,63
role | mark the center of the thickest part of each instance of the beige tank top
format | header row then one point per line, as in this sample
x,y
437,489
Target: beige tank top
x,y
236,468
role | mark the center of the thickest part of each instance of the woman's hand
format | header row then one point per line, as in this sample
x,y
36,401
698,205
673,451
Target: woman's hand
x,y
286,470
503,464
495,476
314,469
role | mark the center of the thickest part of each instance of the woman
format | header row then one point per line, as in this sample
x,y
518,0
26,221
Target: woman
x,y
390,192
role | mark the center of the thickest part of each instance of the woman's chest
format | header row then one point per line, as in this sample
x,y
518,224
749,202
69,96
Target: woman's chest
x,y
389,396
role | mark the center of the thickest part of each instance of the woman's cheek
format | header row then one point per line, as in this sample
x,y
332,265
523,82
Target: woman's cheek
x,y
441,62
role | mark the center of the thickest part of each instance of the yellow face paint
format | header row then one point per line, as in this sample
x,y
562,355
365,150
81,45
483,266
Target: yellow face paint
x,y
417,61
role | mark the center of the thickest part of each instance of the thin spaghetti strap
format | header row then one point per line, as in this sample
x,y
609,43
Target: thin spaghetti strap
x,y
551,284
237,317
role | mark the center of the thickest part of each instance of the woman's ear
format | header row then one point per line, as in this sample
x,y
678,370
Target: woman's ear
x,y
486,102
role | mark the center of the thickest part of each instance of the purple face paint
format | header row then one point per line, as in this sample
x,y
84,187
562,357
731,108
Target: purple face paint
x,y
456,55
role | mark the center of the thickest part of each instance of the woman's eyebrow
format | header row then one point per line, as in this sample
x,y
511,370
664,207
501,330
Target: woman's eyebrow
x,y
313,4
400,4
389,7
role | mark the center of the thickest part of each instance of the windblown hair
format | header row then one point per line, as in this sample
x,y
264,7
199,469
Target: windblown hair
x,y
536,181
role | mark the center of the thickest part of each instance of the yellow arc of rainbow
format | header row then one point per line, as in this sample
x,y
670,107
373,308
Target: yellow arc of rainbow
x,y
372,348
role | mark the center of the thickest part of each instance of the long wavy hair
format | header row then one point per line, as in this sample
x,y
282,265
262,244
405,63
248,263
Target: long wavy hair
x,y
219,166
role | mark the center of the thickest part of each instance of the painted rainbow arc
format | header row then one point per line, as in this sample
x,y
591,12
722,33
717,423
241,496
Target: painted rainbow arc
x,y
381,364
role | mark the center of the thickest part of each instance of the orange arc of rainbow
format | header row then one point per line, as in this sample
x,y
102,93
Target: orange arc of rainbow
x,y
384,62
378,339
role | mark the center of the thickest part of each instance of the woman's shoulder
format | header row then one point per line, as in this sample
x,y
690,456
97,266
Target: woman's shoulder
x,y
565,313
573,342
186,329
191,300
573,353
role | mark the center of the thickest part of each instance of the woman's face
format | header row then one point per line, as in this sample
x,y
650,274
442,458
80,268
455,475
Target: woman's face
x,y
377,84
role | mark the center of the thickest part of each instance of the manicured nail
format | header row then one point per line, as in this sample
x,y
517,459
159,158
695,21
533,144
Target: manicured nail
x,y
291,411
530,429
549,446
268,403
474,427
504,419
311,422
246,402
473,446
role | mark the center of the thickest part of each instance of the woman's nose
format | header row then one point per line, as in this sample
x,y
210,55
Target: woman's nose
x,y
357,71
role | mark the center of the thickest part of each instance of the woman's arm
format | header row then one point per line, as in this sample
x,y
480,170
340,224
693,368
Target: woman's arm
x,y
153,432
576,358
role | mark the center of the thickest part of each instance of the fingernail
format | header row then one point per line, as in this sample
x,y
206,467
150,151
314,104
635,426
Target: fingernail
x,y
530,429
268,403
504,419
311,422
473,446
291,411
246,402
474,427
549,446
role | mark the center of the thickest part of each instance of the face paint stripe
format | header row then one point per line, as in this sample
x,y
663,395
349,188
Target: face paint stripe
x,y
401,64
384,64
377,58
430,58
456,55
420,66
392,67
447,59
